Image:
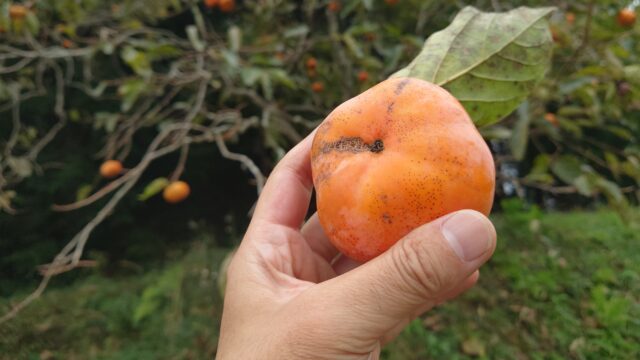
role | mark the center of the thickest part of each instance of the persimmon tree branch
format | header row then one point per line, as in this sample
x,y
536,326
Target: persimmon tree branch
x,y
69,257
244,159
58,110
184,152
177,95
586,33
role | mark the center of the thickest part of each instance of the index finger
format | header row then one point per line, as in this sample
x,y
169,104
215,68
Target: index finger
x,y
286,195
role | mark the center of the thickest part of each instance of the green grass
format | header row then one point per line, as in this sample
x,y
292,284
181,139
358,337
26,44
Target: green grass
x,y
167,313
560,286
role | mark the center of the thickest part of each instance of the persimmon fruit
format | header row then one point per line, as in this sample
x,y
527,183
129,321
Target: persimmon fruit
x,y
397,156
312,63
210,3
333,6
317,86
626,17
227,5
570,18
110,169
363,76
551,118
176,192
17,11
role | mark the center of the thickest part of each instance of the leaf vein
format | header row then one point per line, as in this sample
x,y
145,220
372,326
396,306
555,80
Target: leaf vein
x,y
464,71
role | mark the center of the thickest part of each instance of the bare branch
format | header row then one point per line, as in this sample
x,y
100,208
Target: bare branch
x,y
59,111
28,300
244,159
82,237
184,152
49,269
587,31
15,67
95,196
16,125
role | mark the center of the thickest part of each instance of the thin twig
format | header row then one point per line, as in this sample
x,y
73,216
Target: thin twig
x,y
48,268
28,300
16,126
586,34
95,196
184,152
244,159
15,67
58,110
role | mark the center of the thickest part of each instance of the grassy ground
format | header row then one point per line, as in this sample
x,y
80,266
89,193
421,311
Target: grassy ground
x,y
560,286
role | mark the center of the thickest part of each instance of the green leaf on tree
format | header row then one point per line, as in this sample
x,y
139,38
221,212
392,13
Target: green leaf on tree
x,y
567,168
488,61
153,188
520,136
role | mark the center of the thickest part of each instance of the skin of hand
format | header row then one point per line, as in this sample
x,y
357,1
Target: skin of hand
x,y
291,295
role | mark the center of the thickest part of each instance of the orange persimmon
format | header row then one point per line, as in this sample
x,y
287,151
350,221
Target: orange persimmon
x,y
551,118
317,86
227,5
312,63
110,169
570,17
210,3
363,76
397,156
17,11
626,17
176,192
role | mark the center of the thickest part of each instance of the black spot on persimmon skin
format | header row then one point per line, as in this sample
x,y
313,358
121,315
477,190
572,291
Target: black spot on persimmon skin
x,y
386,218
390,107
377,146
401,86
353,145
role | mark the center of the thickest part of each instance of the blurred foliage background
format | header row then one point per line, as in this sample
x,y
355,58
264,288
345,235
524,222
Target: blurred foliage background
x,y
215,92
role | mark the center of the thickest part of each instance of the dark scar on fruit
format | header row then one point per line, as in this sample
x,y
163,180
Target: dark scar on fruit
x,y
390,107
353,145
401,86
386,218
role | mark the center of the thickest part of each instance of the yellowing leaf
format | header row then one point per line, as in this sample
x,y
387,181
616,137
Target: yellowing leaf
x,y
153,188
473,346
488,61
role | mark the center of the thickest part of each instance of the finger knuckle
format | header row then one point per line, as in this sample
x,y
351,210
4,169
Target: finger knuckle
x,y
419,267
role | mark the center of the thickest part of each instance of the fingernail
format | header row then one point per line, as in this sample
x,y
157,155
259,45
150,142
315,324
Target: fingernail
x,y
468,233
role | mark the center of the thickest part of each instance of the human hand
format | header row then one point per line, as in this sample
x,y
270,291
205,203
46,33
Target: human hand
x,y
291,295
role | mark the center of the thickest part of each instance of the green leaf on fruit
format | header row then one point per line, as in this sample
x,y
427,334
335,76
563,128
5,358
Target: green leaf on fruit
x,y
489,61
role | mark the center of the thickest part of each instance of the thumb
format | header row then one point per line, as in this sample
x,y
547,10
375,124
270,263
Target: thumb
x,y
416,272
